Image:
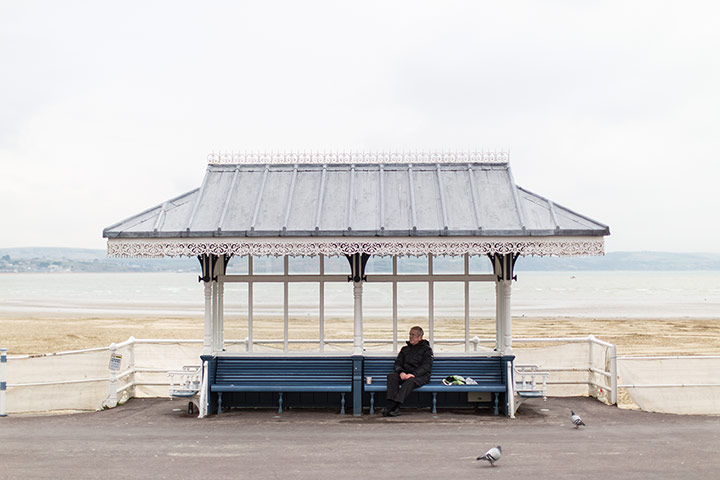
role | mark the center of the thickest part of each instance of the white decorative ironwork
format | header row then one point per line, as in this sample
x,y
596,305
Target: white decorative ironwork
x,y
330,158
561,246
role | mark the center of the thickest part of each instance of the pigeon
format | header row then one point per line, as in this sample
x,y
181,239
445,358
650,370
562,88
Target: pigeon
x,y
492,455
576,420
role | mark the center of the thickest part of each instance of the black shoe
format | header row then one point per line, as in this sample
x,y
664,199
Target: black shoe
x,y
395,412
385,412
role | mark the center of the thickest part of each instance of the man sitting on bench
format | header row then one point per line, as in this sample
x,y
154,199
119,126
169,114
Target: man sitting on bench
x,y
412,369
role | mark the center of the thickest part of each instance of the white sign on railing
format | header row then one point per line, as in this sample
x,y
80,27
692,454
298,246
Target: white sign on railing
x,y
115,362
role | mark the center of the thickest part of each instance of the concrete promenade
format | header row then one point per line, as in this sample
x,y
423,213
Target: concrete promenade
x,y
151,438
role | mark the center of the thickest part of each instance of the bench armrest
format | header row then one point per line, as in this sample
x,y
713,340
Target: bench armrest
x,y
185,380
528,381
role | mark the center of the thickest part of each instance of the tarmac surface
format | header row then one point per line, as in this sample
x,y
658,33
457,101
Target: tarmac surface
x,y
156,438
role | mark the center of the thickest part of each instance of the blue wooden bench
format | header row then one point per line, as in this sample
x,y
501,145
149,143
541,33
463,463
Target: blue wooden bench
x,y
279,375
490,373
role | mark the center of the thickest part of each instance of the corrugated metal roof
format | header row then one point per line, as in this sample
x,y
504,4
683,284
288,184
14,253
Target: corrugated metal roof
x,y
391,200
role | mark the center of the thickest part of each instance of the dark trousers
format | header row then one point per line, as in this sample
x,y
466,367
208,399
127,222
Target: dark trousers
x,y
398,390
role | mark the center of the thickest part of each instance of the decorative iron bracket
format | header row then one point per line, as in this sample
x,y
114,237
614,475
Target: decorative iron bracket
x,y
207,264
504,268
357,266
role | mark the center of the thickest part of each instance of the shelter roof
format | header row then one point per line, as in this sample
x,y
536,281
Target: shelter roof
x,y
287,205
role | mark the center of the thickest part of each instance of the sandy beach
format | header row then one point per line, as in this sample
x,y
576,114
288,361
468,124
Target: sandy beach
x,y
48,333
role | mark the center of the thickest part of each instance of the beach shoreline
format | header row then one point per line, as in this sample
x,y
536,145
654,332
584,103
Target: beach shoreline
x,y
41,333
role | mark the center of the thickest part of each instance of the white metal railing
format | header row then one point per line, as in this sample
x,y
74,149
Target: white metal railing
x,y
611,373
131,369
122,383
669,385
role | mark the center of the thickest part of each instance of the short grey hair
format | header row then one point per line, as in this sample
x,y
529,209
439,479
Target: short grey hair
x,y
418,329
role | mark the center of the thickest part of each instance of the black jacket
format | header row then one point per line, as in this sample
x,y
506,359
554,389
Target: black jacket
x,y
415,359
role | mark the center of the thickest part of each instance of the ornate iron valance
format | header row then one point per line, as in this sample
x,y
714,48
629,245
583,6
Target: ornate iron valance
x,y
153,247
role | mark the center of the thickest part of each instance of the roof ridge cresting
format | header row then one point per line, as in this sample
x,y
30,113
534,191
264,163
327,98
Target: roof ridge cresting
x,y
358,157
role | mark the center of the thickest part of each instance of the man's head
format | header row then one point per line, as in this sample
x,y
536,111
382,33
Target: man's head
x,y
416,335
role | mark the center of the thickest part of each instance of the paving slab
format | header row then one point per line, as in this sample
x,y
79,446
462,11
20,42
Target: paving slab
x,y
156,438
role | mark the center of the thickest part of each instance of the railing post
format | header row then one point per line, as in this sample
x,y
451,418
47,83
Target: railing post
x,y
591,362
131,367
613,375
3,381
111,400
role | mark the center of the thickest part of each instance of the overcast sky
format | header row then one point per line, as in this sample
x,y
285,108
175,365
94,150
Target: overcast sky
x,y
608,108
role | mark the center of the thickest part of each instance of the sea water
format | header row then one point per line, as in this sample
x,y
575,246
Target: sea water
x,y
596,294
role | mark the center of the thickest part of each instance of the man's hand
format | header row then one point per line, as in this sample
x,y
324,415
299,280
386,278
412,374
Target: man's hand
x,y
404,376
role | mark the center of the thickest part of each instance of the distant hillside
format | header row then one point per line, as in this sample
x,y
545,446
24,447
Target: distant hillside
x,y
639,261
51,259
42,259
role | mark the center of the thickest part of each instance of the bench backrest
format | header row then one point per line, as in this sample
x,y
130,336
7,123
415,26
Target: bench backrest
x,y
272,370
484,370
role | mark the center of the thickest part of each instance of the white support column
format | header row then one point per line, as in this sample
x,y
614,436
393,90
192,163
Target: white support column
x,y
321,333
499,298
221,306
431,302
358,326
249,346
286,307
207,332
214,318
507,317
395,305
466,284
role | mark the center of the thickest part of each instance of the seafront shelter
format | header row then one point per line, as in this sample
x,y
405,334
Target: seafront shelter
x,y
356,206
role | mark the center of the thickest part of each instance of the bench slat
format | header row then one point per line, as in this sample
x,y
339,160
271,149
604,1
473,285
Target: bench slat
x,y
280,388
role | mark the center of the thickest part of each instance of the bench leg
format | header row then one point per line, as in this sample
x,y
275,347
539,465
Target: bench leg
x,y
342,404
219,403
497,398
434,410
280,403
372,403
